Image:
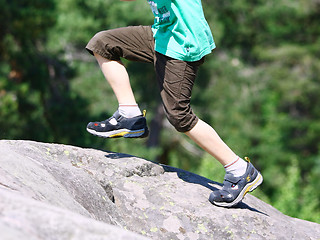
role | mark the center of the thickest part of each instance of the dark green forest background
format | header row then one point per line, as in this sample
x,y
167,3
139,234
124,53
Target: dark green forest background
x,y
260,89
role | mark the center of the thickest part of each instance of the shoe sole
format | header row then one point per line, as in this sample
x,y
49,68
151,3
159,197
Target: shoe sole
x,y
248,188
126,133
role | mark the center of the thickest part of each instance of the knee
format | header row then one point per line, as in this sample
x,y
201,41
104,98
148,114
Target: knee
x,y
101,43
101,36
95,44
182,121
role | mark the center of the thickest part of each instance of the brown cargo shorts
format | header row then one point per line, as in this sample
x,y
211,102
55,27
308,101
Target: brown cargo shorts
x,y
175,77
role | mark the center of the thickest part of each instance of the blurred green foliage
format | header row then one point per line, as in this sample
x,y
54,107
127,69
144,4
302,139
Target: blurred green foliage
x,y
259,89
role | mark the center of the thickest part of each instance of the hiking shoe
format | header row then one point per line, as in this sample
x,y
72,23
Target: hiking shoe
x,y
235,188
119,126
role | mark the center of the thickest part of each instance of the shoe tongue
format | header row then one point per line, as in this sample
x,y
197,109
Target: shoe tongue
x,y
230,178
116,115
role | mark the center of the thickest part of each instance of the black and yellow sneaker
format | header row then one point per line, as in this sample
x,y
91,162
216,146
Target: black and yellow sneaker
x,y
119,126
235,188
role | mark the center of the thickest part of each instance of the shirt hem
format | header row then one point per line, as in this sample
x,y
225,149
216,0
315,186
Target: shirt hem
x,y
187,58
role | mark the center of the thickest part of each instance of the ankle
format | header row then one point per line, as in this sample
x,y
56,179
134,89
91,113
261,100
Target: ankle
x,y
237,168
129,110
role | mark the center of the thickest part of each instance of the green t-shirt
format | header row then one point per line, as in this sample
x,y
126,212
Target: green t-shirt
x,y
180,29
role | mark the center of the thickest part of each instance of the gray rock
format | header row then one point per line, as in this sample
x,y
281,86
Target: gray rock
x,y
51,191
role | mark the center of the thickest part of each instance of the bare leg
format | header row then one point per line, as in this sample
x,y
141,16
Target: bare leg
x,y
202,134
208,139
117,76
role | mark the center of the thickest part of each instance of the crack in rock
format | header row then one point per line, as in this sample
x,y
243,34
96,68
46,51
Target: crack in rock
x,y
108,189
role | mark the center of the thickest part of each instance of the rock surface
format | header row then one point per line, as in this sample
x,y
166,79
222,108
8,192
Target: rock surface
x,y
52,191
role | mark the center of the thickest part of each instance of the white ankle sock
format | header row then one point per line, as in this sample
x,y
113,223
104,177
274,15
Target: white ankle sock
x,y
237,168
129,110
